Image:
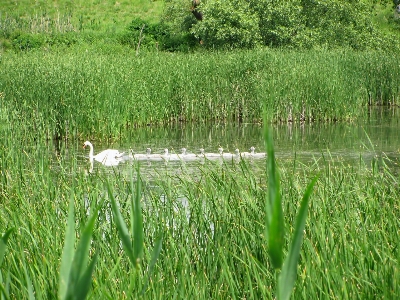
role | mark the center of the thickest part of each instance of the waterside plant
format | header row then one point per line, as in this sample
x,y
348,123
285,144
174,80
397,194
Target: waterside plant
x,y
212,224
87,93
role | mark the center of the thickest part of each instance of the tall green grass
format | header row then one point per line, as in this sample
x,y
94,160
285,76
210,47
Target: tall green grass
x,y
91,15
212,224
94,93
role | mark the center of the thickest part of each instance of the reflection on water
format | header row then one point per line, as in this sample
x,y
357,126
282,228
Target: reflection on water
x,y
375,137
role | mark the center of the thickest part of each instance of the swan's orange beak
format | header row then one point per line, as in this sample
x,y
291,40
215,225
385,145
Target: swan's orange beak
x,y
84,146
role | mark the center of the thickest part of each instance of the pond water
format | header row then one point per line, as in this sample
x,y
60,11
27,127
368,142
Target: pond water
x,y
350,144
375,137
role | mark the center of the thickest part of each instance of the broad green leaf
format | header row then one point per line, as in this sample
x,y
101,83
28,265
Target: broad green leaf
x,y
84,283
287,277
68,251
276,235
3,243
274,229
121,227
74,274
79,263
273,178
137,221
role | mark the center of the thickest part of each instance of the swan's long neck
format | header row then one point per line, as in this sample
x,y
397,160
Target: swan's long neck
x,y
91,155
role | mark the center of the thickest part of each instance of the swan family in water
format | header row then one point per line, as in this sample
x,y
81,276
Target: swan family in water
x,y
112,157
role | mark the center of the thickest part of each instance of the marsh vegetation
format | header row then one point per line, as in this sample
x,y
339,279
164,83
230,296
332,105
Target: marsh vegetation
x,y
88,70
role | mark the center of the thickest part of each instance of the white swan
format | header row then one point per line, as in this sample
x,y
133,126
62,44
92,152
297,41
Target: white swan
x,y
171,156
146,156
157,156
214,155
248,154
230,155
109,157
252,154
187,156
257,155
202,154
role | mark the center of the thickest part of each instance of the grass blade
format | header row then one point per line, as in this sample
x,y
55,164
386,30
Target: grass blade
x,y
274,215
82,252
82,287
137,222
287,277
121,227
276,235
68,251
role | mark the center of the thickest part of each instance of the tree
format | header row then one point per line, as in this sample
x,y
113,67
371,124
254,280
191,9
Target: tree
x,y
227,24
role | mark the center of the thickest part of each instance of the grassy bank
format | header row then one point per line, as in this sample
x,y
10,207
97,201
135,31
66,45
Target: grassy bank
x,y
212,226
88,92
61,15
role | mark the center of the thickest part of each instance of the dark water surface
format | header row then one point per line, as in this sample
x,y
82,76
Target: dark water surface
x,y
377,137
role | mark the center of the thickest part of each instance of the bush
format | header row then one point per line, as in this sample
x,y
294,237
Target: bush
x,y
27,41
301,24
229,24
149,35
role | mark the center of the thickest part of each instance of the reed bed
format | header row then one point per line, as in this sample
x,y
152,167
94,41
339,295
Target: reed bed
x,y
212,227
101,93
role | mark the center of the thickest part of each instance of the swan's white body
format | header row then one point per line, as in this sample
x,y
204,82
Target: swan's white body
x,y
187,156
109,157
139,156
112,157
213,155
252,154
170,156
202,154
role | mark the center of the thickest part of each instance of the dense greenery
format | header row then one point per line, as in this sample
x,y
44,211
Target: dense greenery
x,y
296,24
170,25
91,69
212,223
86,93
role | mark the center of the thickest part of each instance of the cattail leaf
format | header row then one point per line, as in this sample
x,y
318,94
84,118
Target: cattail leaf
x,y
276,235
287,277
273,179
68,251
84,283
274,229
82,251
137,221
121,227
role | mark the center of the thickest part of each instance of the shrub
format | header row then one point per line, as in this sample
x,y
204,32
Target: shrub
x,y
229,24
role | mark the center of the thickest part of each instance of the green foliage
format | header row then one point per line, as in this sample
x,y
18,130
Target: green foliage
x,y
213,247
291,24
142,33
281,23
25,41
134,247
101,92
275,228
328,24
75,272
229,24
